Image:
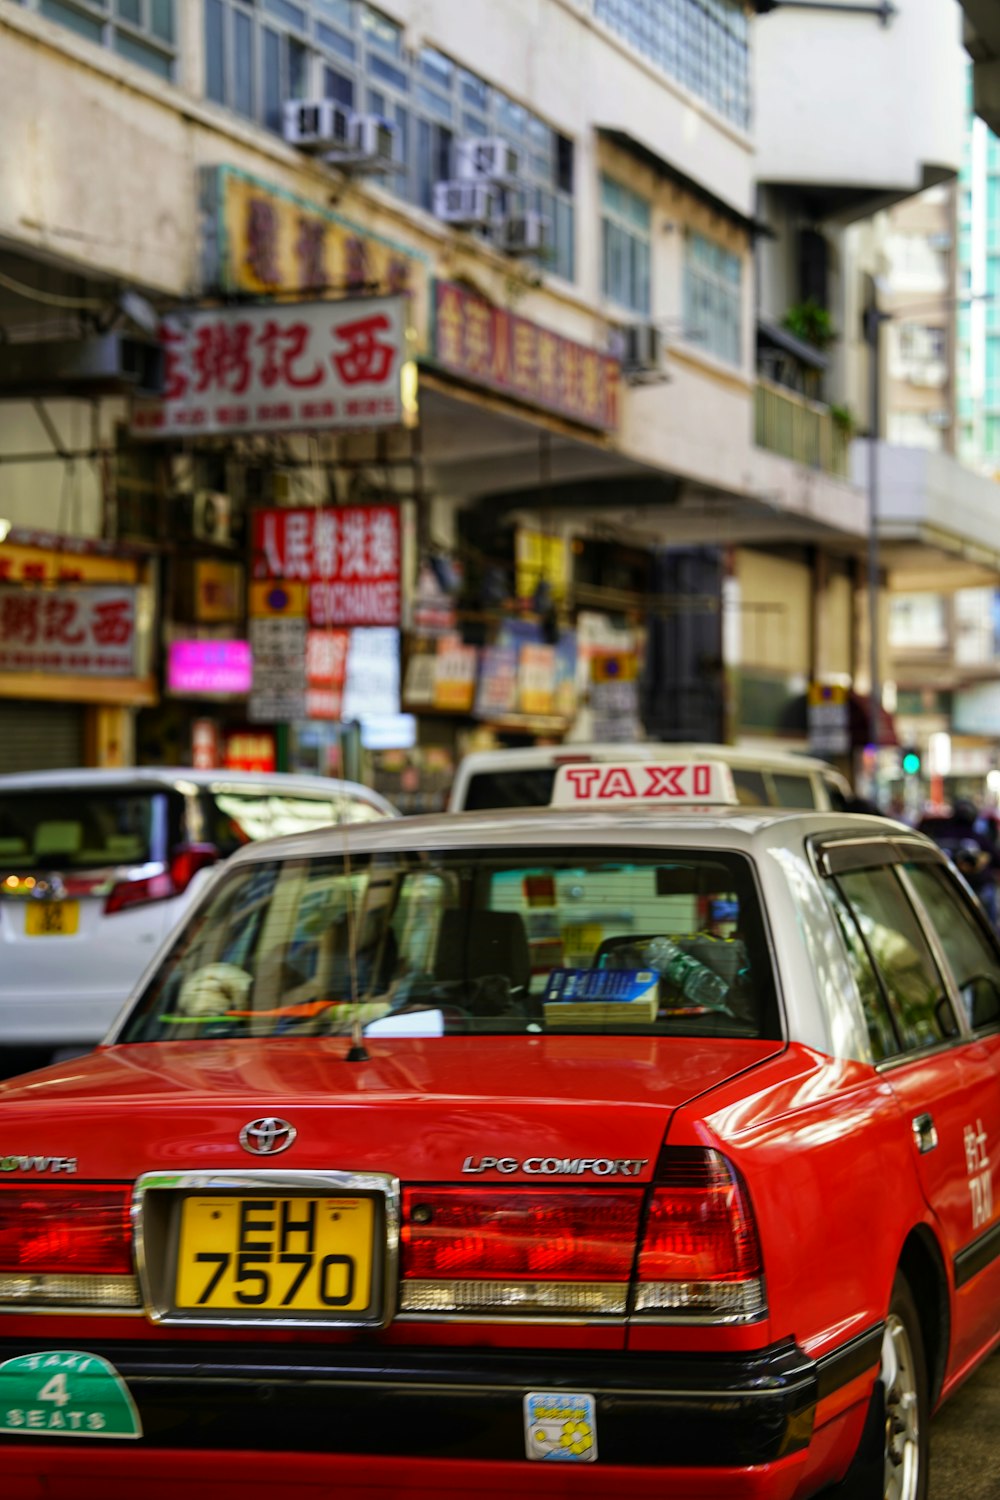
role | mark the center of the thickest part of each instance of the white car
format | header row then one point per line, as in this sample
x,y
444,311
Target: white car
x,y
96,867
523,777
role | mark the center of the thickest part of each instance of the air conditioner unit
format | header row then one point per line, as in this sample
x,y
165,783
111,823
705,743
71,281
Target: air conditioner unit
x,y
211,517
466,202
317,124
366,146
106,363
492,158
641,348
523,234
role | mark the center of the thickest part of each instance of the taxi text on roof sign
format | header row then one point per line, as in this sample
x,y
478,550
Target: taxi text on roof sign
x,y
627,783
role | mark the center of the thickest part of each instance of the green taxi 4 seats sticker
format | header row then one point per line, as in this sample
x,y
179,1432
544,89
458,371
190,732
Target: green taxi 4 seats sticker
x,y
65,1393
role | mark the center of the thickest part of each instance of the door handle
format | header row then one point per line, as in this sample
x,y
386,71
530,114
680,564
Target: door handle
x,y
924,1133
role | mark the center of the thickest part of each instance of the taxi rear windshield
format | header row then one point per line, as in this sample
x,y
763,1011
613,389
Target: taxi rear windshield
x,y
565,941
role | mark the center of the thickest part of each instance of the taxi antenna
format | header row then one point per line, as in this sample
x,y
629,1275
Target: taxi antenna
x,y
357,1051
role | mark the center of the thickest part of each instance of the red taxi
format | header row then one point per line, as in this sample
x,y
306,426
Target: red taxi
x,y
637,1145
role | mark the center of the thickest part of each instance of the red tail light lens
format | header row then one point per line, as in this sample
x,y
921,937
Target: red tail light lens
x,y
188,860
138,893
469,1234
184,865
700,1253
62,1230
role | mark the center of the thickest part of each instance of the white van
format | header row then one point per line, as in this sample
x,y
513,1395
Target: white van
x,y
97,866
523,777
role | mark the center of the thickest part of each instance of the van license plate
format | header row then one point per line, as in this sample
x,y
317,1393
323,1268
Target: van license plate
x,y
51,918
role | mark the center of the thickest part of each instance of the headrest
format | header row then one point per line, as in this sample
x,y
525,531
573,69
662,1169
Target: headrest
x,y
472,944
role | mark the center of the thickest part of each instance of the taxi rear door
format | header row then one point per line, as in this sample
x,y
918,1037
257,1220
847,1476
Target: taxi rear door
x,y
935,1067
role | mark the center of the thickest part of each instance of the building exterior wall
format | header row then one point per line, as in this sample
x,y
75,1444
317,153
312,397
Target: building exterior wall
x,y
893,90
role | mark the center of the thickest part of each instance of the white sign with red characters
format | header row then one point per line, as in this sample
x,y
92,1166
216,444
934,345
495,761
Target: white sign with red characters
x,y
630,783
90,631
348,555
287,367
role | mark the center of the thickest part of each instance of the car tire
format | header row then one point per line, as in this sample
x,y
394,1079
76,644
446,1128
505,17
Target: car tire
x,y
893,1457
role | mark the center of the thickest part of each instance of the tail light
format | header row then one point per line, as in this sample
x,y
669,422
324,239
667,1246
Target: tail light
x,y
700,1257
185,863
465,1250
64,1244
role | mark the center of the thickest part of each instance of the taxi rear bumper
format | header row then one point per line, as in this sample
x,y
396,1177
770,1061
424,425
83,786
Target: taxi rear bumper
x,y
656,1412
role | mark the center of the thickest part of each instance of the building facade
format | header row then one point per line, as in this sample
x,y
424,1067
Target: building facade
x,y
619,491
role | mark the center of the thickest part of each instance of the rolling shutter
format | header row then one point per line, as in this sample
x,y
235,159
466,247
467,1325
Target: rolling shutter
x,y
40,736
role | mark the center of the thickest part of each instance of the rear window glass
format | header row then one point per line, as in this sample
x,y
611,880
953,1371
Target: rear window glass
x,y
529,787
559,941
791,790
58,829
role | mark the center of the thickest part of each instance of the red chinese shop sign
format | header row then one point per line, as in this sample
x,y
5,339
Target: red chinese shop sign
x,y
89,631
493,347
287,367
348,556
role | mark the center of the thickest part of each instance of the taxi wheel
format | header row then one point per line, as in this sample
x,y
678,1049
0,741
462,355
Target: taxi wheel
x,y
907,1407
892,1458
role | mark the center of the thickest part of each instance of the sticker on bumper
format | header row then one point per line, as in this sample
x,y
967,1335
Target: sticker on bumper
x,y
65,1393
560,1428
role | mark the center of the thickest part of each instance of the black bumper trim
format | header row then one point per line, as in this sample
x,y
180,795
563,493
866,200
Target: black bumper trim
x,y
700,1410
977,1256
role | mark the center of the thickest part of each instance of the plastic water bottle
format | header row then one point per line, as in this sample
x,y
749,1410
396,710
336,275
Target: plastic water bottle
x,y
695,980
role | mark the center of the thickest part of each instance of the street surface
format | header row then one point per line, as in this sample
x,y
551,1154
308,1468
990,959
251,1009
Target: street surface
x,y
965,1462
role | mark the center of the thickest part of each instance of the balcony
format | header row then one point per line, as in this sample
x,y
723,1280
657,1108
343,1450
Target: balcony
x,y
799,429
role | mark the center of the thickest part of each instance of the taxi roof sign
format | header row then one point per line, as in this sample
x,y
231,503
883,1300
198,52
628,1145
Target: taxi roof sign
x,y
685,783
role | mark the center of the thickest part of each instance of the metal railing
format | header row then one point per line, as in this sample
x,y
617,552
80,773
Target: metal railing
x,y
798,428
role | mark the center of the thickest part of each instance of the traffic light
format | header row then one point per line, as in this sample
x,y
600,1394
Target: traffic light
x,y
911,761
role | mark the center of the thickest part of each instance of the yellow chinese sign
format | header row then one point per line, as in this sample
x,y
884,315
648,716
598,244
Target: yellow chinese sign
x,y
260,239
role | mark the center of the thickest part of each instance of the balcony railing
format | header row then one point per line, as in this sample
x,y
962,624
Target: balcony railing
x,y
799,429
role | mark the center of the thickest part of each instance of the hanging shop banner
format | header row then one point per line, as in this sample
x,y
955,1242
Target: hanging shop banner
x,y
348,557
496,692
491,346
286,367
540,560
536,679
371,681
454,675
260,239
196,666
326,670
828,714
278,646
250,750
86,631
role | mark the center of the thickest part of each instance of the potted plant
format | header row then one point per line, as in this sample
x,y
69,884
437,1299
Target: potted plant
x,y
811,322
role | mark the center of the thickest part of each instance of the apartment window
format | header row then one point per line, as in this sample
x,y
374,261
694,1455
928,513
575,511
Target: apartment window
x,y
625,231
144,31
259,54
713,298
703,44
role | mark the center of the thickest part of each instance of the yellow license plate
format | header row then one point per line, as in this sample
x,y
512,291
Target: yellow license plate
x,y
302,1255
51,918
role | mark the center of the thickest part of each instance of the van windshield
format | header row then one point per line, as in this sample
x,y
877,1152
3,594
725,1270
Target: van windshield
x,y
553,940
77,830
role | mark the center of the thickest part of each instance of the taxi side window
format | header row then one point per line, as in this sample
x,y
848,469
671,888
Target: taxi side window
x,y
971,955
881,1031
915,990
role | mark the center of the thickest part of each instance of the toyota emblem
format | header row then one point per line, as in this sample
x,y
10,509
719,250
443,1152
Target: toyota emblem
x,y
267,1137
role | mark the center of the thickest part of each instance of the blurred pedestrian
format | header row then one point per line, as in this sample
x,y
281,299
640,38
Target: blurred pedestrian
x,y
973,862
